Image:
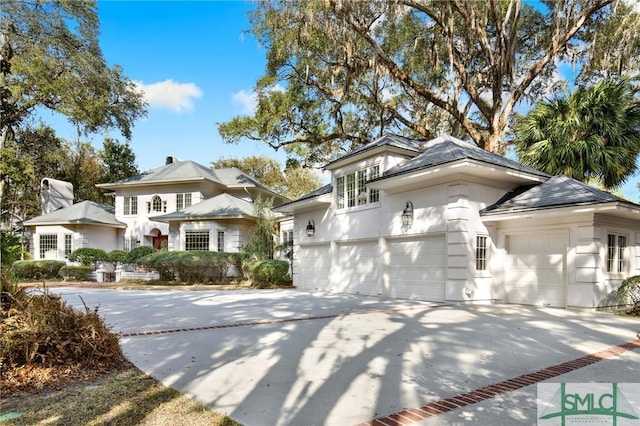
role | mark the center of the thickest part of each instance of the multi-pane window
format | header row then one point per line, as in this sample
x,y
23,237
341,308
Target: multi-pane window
x,y
616,253
157,205
130,206
196,240
48,242
351,189
220,240
68,238
340,192
374,194
183,200
130,243
481,253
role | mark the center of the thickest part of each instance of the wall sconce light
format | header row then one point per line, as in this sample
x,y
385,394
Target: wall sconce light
x,y
407,215
311,228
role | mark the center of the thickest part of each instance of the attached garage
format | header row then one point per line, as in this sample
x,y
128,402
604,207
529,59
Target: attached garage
x,y
536,269
358,268
417,268
314,267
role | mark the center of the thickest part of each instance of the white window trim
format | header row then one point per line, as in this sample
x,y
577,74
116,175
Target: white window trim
x,y
367,204
615,272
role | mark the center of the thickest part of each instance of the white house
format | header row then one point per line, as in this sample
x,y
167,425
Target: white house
x,y
179,206
446,221
184,205
87,224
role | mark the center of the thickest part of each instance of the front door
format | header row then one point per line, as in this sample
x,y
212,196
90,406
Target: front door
x,y
161,242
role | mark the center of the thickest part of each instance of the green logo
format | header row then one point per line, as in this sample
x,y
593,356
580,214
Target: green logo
x,y
586,402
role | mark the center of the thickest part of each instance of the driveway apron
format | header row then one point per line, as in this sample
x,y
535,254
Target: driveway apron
x,y
290,357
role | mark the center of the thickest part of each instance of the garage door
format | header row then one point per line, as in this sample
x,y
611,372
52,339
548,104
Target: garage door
x,y
536,269
417,268
358,268
314,267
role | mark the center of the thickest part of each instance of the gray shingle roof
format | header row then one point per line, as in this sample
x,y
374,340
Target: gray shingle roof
x,y
386,140
447,149
327,189
223,206
85,212
176,171
559,191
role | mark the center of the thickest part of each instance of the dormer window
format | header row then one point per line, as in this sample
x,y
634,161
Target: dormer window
x,y
352,191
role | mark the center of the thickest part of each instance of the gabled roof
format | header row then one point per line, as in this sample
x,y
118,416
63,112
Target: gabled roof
x,y
559,191
85,212
447,149
223,206
388,142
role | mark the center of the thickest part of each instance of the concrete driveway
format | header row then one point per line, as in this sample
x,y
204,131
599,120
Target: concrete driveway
x,y
290,357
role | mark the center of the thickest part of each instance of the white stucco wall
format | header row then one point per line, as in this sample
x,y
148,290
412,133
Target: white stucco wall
x,y
102,237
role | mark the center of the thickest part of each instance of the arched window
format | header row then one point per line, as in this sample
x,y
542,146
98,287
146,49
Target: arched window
x,y
156,204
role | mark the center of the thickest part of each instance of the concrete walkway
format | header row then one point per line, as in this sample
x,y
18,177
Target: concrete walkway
x,y
290,357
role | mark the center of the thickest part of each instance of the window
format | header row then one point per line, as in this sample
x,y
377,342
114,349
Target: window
x,y
68,238
616,253
340,192
183,201
374,194
130,206
351,189
220,240
287,237
130,243
156,203
481,253
196,240
48,242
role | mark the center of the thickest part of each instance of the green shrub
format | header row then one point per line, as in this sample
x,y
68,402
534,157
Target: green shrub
x,y
138,252
36,269
269,273
88,256
75,273
117,257
629,293
190,266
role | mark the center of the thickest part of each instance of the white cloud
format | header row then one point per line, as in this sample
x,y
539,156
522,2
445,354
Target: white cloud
x,y
248,101
170,94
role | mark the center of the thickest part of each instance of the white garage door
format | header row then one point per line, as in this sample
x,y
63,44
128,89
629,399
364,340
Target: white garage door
x,y
358,268
314,267
417,268
536,269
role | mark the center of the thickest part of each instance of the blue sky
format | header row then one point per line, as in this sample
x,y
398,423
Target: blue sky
x,y
197,66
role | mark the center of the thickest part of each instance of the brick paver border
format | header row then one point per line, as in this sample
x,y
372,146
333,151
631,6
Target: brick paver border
x,y
278,321
412,415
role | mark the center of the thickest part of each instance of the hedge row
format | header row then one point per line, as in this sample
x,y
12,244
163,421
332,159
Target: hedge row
x,y
36,269
192,266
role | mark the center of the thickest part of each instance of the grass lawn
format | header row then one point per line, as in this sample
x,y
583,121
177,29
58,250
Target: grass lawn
x,y
125,397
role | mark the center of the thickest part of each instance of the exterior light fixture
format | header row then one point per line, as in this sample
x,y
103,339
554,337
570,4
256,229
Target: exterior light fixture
x,y
311,228
407,215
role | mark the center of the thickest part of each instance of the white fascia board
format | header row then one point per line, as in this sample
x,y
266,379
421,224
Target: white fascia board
x,y
152,183
310,204
377,151
613,208
466,166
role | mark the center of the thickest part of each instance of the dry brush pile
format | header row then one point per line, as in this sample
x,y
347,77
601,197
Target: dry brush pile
x,y
44,342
